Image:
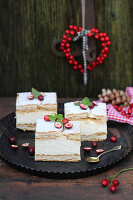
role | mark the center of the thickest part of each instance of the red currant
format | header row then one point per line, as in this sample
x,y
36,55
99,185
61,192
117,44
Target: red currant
x,y
119,109
128,116
115,106
93,30
116,182
108,43
69,39
12,140
64,37
31,150
75,67
94,144
81,70
40,98
102,39
75,62
123,113
129,110
67,31
113,139
112,188
104,182
65,121
131,105
46,118
89,34
72,33
107,39
70,26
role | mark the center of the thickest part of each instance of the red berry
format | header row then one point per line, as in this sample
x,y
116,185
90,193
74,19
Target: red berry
x,y
112,188
107,39
105,182
79,66
104,55
131,105
108,43
92,106
89,34
89,68
106,49
64,37
87,149
12,140
113,139
71,57
62,44
14,146
72,32
62,48
100,61
93,64
67,45
98,58
75,67
96,31
99,151
70,62
84,107
68,125
31,150
101,34
69,39
81,70
115,106
123,113
96,36
93,30
67,32
25,145
102,44
129,110
104,34
68,49
40,98
46,118
102,39
58,124
30,96
67,54
75,28
128,116
94,144
65,121
95,103
64,41
116,183
119,109
80,28
70,26
64,51
75,62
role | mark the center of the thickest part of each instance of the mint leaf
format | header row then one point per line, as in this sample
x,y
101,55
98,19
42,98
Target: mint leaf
x,y
35,93
77,104
86,102
60,116
52,117
89,104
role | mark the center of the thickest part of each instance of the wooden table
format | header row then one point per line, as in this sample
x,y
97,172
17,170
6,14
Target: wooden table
x,y
20,186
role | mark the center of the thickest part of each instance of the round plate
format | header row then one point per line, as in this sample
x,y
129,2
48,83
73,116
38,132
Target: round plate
x,y
20,158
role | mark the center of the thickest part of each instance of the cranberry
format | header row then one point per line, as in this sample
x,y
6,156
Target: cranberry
x,y
40,98
31,151
12,140
123,113
14,146
128,116
68,125
99,151
116,182
65,121
113,139
84,107
129,110
94,144
46,118
58,124
105,182
112,188
87,149
115,106
119,109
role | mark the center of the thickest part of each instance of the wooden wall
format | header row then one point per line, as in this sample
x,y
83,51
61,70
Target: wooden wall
x,y
28,29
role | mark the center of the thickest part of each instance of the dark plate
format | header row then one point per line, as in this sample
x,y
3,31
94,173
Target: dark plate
x,y
21,160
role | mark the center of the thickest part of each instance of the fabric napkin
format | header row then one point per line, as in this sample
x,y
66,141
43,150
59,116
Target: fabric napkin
x,y
114,115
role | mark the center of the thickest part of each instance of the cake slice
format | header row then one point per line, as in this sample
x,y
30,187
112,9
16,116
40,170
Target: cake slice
x,y
57,144
93,121
29,110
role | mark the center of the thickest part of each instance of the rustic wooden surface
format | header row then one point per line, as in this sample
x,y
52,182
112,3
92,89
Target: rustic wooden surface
x,y
18,185
28,29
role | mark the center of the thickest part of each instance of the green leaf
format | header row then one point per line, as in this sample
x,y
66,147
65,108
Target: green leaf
x,y
35,93
86,102
77,104
52,117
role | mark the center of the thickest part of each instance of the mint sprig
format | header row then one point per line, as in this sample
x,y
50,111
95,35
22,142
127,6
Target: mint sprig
x,y
35,93
56,117
84,101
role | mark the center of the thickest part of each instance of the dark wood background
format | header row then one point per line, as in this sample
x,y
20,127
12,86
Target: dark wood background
x,y
28,29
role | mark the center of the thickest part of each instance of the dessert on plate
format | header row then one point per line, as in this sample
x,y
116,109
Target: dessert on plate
x,y
91,115
32,106
55,141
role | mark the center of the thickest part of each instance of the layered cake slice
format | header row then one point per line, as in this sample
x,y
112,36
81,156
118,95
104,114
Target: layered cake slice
x,y
53,142
31,107
93,119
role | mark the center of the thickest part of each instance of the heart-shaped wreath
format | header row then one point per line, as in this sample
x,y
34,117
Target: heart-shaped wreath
x,y
73,34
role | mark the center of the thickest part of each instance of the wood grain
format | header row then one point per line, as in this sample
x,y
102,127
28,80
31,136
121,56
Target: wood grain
x,y
27,31
18,185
